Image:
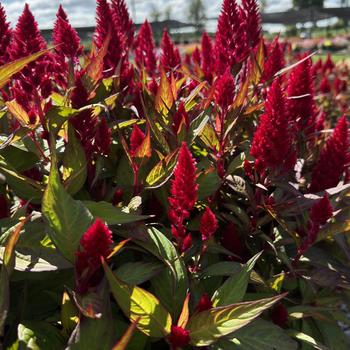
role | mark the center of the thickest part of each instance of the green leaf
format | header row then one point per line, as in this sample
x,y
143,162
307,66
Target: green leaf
x,y
208,184
125,340
262,335
234,288
162,171
207,326
110,214
307,339
93,334
37,335
23,186
10,69
170,285
138,272
5,272
139,304
74,164
68,218
223,268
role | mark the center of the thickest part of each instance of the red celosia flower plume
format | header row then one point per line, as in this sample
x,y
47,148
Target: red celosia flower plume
x,y
224,91
208,224
122,22
253,21
65,37
183,196
207,58
103,138
84,123
321,211
170,56
26,36
145,49
105,25
301,105
204,303
179,337
196,56
231,38
325,86
5,37
274,60
328,65
136,139
95,243
180,117
333,159
273,141
279,315
27,40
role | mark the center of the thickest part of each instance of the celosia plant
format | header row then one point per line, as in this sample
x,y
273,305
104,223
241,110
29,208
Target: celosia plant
x,y
154,200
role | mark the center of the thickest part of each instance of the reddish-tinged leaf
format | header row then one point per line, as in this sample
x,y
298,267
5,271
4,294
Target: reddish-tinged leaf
x,y
164,97
124,341
185,313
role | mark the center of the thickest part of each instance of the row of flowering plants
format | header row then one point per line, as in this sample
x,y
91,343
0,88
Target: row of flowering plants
x,y
166,201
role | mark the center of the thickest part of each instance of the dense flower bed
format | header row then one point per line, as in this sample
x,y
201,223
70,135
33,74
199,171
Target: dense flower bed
x,y
152,202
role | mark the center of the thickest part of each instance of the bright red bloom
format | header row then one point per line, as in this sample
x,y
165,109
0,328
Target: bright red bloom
x,y
251,15
103,138
122,22
180,118
145,49
105,25
26,41
274,60
333,159
183,196
224,91
231,38
26,36
183,187
208,224
95,243
170,56
204,303
301,105
136,139
325,86
207,58
340,85
328,65
5,37
196,56
179,337
321,211
273,141
279,315
84,123
65,37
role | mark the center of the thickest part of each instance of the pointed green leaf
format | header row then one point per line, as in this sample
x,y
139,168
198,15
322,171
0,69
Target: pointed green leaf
x,y
139,304
234,288
68,218
208,326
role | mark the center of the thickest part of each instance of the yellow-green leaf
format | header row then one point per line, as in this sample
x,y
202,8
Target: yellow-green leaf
x,y
208,326
10,69
164,97
138,304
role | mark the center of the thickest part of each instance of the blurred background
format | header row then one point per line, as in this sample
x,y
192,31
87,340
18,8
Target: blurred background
x,y
308,24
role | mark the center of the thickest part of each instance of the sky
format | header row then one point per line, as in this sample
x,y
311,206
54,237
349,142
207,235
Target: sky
x,y
82,12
